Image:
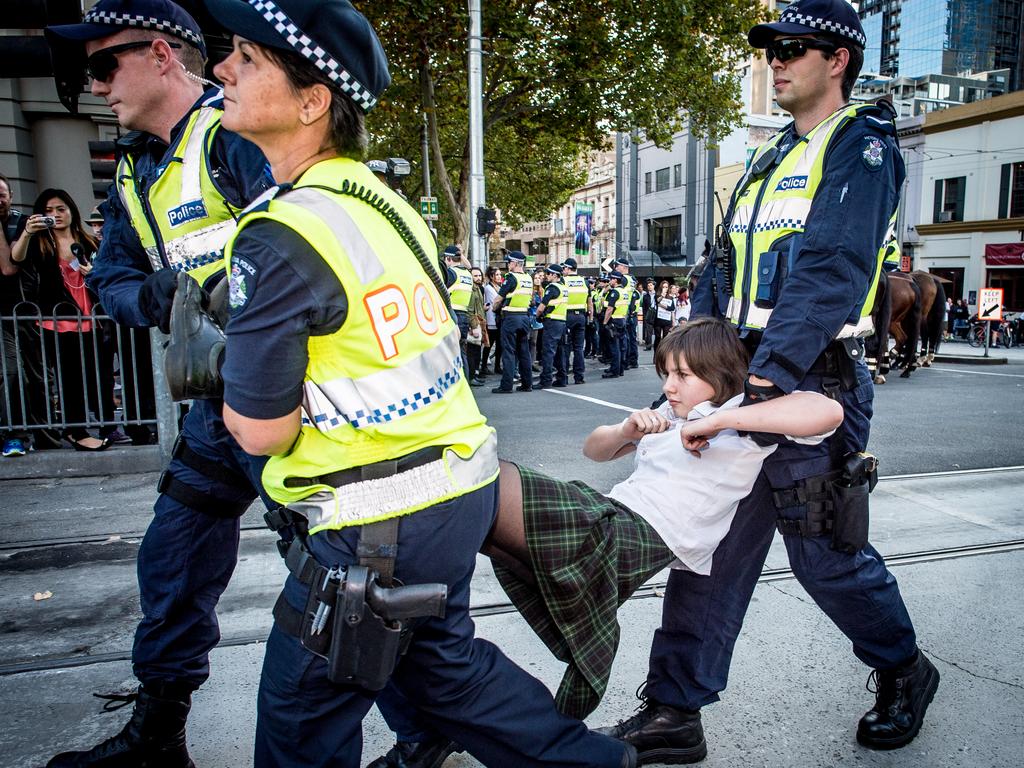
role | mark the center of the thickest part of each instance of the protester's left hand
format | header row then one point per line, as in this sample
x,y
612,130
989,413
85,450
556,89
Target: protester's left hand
x,y
696,435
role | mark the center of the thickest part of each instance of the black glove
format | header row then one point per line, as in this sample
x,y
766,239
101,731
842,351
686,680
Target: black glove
x,y
758,393
156,297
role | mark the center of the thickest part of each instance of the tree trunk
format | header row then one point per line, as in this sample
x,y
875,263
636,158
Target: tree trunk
x,y
456,203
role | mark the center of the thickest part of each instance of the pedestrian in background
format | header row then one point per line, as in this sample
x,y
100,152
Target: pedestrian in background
x,y
58,249
476,340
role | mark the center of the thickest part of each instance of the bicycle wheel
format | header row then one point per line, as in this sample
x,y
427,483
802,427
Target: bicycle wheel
x,y
976,336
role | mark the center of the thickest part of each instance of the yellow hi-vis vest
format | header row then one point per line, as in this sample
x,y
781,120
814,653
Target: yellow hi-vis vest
x,y
520,298
891,251
775,206
597,296
184,221
388,382
559,304
621,309
576,285
461,291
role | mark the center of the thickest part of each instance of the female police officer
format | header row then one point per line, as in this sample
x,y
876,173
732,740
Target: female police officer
x,y
342,363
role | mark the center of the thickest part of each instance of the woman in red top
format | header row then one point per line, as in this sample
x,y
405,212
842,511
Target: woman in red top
x,y
57,249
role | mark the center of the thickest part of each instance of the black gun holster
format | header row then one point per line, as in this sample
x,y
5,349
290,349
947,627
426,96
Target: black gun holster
x,y
359,618
836,502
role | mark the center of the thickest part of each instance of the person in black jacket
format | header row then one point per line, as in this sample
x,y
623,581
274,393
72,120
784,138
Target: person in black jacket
x,y
58,249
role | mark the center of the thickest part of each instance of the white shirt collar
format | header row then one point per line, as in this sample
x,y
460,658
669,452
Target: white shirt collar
x,y
706,408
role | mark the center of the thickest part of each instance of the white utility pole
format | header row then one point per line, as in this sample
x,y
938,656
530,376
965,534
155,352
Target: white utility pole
x,y
477,197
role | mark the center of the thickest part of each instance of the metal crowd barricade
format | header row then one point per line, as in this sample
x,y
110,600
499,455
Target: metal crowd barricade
x,y
57,372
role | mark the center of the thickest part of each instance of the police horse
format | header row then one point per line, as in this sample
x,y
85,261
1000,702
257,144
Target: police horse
x,y
896,313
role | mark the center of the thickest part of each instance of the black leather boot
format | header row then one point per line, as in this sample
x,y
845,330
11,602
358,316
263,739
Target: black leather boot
x,y
153,738
902,698
662,734
430,753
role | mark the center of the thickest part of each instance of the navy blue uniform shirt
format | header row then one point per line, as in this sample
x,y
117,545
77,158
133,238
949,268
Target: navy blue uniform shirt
x,y
611,298
507,286
281,293
241,173
550,294
831,273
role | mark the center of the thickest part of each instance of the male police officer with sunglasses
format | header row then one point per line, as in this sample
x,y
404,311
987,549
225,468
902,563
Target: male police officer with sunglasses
x,y
180,183
796,272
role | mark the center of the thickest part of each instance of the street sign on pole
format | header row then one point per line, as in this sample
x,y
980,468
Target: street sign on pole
x,y
428,208
990,304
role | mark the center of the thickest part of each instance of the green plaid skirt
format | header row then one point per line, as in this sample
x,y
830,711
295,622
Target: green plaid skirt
x,y
589,555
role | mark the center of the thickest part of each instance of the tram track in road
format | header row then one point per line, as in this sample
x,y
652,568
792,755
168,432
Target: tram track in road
x,y
502,608
133,536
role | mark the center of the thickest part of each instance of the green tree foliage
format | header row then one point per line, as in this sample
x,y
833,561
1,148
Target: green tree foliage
x,y
559,76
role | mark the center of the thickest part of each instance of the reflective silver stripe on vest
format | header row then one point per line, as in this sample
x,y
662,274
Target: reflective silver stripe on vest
x,y
199,247
192,158
385,395
358,249
759,316
413,489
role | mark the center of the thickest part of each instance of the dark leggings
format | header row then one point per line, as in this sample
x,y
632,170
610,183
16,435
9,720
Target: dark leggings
x,y
74,366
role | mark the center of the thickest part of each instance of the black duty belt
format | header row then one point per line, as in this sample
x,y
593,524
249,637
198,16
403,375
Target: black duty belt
x,y
575,311
373,471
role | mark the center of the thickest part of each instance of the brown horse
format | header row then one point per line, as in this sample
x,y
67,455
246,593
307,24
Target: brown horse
x,y
933,314
904,298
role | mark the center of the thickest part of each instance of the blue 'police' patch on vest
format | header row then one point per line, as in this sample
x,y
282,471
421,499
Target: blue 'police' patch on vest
x,y
792,182
187,212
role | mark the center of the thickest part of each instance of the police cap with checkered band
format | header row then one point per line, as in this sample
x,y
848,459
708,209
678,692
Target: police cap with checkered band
x,y
808,17
331,34
108,17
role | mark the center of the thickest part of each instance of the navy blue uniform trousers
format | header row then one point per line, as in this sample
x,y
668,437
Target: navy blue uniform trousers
x,y
463,687
702,615
616,328
552,363
631,356
575,339
515,344
187,557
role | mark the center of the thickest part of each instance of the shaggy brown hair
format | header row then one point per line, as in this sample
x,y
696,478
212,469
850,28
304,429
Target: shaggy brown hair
x,y
712,351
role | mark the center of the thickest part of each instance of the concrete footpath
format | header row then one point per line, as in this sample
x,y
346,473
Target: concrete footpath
x,y
796,690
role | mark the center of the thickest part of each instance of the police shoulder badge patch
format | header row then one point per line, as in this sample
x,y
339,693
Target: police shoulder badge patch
x,y
241,282
873,153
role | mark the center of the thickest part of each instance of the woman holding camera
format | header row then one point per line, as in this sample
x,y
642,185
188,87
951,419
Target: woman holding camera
x,y
57,250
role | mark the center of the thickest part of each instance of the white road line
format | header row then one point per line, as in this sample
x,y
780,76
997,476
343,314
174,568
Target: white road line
x,y
978,373
594,400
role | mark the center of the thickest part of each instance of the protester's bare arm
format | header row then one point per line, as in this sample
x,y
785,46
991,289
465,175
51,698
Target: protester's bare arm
x,y
800,414
615,440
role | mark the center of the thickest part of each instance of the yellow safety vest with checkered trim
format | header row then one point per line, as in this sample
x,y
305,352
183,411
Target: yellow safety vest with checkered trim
x,y
769,209
621,309
521,296
891,251
559,304
577,288
184,221
389,381
461,291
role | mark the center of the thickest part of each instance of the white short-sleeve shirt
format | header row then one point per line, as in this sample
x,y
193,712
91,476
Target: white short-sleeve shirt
x,y
691,501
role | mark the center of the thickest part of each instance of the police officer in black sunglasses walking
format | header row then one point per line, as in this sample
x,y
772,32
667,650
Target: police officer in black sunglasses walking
x,y
796,274
181,183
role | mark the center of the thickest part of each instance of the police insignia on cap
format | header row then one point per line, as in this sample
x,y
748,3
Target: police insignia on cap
x,y
873,154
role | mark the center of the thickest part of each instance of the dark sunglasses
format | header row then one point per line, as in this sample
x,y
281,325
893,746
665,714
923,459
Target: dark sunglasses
x,y
795,47
101,65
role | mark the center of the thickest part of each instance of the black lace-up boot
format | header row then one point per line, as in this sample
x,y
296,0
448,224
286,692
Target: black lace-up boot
x,y
902,698
153,738
662,734
430,753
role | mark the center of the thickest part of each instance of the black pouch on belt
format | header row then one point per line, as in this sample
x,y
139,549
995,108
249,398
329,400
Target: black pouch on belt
x,y
850,502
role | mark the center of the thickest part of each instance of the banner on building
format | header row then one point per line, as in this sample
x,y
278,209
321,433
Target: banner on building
x,y
1004,255
584,228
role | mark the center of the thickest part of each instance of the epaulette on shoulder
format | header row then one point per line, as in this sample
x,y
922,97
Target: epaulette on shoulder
x,y
881,116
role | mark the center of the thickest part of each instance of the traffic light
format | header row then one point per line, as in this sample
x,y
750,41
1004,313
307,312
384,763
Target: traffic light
x,y
485,220
102,164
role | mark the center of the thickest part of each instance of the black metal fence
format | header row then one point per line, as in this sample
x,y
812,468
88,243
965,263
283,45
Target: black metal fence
x,y
67,375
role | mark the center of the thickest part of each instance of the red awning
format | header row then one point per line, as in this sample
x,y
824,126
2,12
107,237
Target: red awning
x,y
1004,255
